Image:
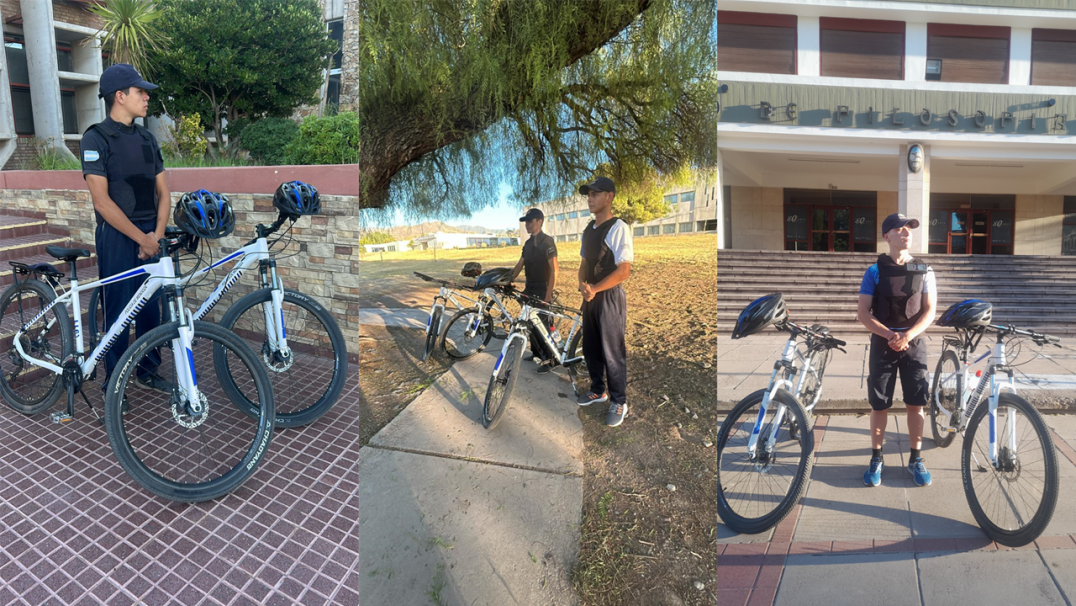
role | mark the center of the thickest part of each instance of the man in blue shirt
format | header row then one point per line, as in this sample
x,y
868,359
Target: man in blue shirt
x,y
897,300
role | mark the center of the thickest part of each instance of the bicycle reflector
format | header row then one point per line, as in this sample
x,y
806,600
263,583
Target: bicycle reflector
x,y
759,314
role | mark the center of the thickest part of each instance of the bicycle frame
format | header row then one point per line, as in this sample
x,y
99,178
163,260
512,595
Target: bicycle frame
x,y
776,382
159,274
444,296
967,405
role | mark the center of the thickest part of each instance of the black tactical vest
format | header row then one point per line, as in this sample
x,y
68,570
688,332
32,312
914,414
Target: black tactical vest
x,y
898,297
597,258
131,168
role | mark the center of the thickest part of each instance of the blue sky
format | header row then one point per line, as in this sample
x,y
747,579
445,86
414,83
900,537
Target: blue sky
x,y
504,215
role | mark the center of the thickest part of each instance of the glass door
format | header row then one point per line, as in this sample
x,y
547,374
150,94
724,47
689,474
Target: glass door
x,y
820,229
958,233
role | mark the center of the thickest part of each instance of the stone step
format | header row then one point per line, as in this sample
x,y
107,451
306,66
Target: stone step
x,y
13,249
17,227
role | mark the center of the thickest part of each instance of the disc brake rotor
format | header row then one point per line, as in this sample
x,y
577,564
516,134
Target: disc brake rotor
x,y
186,420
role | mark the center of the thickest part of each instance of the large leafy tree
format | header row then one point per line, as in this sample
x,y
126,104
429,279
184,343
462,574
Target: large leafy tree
x,y
458,96
240,59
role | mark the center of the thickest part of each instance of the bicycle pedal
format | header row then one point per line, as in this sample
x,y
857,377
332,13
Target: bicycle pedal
x,y
61,417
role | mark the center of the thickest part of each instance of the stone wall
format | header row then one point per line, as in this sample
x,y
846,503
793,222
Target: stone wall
x,y
74,13
349,76
757,218
325,263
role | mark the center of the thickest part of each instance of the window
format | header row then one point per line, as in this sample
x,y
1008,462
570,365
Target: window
x,y
584,213
861,48
726,195
668,228
560,217
1053,57
688,196
1068,228
70,113
573,237
561,238
21,98
638,231
573,215
969,53
332,89
64,60
670,199
653,230
685,227
756,42
710,225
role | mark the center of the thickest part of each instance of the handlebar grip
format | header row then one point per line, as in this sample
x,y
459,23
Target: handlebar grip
x,y
839,343
1052,338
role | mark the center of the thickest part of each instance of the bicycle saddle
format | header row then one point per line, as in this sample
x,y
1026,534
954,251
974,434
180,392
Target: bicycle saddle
x,y
66,254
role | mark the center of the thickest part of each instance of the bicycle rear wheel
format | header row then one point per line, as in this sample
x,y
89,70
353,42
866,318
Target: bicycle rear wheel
x,y
433,331
754,493
577,371
1014,502
467,334
170,451
27,388
945,393
95,318
308,380
502,383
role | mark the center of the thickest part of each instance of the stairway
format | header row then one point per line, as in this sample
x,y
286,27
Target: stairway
x,y
1034,292
23,238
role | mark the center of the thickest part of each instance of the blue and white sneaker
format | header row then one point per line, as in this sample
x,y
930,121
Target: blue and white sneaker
x,y
873,476
919,472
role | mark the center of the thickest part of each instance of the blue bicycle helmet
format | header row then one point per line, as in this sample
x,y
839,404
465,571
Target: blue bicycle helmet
x,y
969,313
759,314
204,214
294,199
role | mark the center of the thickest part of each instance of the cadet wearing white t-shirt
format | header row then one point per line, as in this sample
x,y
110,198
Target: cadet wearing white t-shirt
x,y
607,254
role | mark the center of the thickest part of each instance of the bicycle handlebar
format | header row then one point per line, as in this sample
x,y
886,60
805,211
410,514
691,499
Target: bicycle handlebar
x,y
539,303
1035,336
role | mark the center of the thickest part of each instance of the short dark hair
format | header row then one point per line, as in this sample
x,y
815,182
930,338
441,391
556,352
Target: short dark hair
x,y
110,98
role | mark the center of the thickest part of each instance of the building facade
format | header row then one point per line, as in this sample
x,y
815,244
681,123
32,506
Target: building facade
x,y
444,241
52,64
692,208
834,114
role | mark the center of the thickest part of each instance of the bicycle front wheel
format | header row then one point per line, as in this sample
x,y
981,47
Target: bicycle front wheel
x,y
171,451
756,490
577,371
945,393
1014,500
467,333
502,383
306,380
28,388
432,332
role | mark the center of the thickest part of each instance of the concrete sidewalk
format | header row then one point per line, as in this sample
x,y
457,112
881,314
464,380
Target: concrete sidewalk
x,y
408,317
745,365
455,514
897,543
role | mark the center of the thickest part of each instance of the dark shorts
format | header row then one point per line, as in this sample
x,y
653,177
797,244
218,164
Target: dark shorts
x,y
884,366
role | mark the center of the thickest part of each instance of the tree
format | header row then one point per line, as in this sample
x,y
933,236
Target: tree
x,y
541,94
129,32
376,237
238,60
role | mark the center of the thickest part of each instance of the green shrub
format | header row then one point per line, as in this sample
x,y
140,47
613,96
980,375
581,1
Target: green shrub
x,y
47,157
267,139
326,140
186,138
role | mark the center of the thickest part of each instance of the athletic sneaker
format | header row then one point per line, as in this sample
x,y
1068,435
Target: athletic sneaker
x,y
919,472
873,476
544,369
592,398
616,414
156,383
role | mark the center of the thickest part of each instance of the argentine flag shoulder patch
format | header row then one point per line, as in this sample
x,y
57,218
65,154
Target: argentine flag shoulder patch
x,y
90,155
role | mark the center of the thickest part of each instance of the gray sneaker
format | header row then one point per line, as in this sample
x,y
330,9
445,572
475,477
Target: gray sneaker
x,y
592,398
616,414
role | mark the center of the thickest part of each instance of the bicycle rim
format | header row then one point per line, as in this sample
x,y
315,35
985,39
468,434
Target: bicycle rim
x,y
463,338
432,333
1014,502
175,454
945,394
27,388
500,385
305,383
756,493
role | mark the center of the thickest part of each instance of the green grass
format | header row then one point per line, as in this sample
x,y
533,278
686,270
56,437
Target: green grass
x,y
206,162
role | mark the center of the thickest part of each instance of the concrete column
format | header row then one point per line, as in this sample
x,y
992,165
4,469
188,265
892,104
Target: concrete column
x,y
915,52
913,196
808,56
1020,56
720,204
40,41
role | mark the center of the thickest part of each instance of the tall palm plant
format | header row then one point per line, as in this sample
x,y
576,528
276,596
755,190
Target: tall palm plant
x,y
129,33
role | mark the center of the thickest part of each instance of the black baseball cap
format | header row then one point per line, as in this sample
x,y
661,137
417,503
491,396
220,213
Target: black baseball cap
x,y
120,76
533,213
896,220
599,184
